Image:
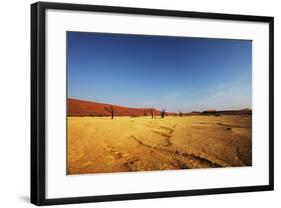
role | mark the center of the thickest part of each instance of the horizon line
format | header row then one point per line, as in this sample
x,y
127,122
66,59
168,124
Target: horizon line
x,y
206,110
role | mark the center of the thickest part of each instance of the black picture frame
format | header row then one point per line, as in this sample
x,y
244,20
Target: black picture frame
x,y
38,98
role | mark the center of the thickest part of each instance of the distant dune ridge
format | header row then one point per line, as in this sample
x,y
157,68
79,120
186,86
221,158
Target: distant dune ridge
x,y
245,111
76,107
88,108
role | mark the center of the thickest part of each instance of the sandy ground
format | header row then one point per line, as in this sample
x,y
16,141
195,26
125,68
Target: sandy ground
x,y
100,144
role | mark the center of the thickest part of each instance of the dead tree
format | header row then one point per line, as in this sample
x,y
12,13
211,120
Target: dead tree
x,y
180,113
110,110
151,112
162,113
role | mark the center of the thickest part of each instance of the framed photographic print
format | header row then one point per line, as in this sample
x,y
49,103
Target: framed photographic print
x,y
134,103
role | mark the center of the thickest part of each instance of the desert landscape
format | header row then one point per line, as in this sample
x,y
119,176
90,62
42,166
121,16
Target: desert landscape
x,y
137,142
156,102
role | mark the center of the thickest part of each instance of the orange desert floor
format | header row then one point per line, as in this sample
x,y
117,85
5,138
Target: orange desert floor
x,y
123,144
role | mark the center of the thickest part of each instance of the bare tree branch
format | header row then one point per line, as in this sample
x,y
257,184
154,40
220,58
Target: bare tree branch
x,y
151,112
180,113
163,111
110,110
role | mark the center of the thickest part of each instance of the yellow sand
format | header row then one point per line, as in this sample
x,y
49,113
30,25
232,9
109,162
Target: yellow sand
x,y
101,144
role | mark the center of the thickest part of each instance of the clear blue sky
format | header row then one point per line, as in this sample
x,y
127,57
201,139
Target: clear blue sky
x,y
178,73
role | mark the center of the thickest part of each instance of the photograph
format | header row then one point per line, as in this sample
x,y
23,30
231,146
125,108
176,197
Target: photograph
x,y
155,103
130,103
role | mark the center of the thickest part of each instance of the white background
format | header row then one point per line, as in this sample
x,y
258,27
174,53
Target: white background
x,y
15,96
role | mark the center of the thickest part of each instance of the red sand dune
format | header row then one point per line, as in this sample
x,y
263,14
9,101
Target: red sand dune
x,y
77,107
86,108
